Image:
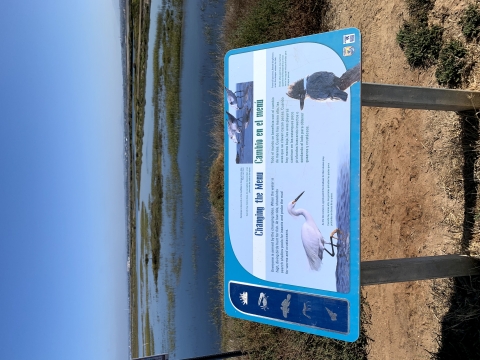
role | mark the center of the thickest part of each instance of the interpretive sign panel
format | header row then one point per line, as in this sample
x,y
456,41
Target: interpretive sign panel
x,y
292,183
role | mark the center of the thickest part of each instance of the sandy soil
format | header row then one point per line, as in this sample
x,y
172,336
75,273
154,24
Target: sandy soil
x,y
412,198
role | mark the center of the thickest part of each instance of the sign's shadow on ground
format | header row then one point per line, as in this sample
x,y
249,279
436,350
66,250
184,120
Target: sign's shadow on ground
x,y
460,331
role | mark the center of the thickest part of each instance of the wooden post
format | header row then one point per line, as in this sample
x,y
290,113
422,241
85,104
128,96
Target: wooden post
x,y
420,268
413,97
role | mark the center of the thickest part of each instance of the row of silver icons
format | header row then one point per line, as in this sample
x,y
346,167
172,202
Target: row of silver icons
x,y
263,303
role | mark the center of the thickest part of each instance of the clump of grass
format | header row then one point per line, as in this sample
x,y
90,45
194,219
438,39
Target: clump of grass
x,y
470,22
272,20
418,9
420,42
451,65
263,25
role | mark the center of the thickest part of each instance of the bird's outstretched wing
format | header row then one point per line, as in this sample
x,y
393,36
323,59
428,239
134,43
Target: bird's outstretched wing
x,y
231,134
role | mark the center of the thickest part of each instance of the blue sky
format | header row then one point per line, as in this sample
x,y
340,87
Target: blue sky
x,y
63,274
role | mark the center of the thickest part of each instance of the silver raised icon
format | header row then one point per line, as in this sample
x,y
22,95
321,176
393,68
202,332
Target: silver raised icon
x,y
262,301
306,308
285,306
244,298
333,316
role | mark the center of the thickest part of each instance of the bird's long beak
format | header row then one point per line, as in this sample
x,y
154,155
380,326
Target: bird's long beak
x,y
301,106
298,197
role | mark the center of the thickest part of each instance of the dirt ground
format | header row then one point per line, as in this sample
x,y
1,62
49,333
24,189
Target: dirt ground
x,y
412,192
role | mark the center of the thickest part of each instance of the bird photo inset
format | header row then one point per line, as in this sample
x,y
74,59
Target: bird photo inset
x,y
324,85
232,98
238,116
312,238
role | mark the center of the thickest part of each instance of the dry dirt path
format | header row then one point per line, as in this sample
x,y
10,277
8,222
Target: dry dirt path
x,y
408,206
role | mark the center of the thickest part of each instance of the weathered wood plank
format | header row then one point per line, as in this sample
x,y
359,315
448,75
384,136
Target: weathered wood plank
x,y
412,97
420,268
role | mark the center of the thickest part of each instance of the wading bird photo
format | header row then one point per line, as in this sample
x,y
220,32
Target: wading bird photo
x,y
312,238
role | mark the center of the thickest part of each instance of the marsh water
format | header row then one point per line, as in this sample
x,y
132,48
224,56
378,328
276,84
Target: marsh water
x,y
177,312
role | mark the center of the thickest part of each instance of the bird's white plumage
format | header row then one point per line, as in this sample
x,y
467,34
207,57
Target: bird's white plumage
x,y
232,98
312,239
313,242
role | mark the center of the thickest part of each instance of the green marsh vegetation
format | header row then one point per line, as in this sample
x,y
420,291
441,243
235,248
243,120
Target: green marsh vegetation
x,y
166,69
171,59
144,236
147,335
132,278
137,43
170,291
133,295
166,99
156,200
246,23
140,24
176,263
166,139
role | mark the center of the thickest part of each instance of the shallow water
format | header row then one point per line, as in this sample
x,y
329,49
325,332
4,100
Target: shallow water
x,y
179,310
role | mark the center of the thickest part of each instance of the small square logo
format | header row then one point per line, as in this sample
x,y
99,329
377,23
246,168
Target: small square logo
x,y
349,39
348,50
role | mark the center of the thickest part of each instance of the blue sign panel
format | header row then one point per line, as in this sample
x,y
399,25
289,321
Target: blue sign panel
x,y
292,183
315,311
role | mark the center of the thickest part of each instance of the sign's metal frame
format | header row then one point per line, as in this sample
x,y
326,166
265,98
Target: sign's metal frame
x,y
236,276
